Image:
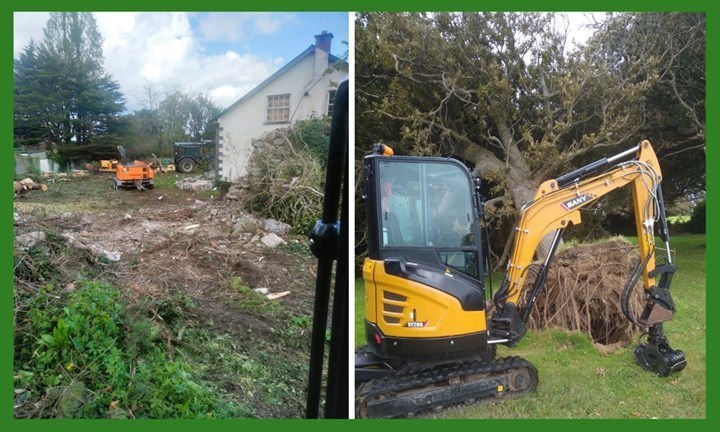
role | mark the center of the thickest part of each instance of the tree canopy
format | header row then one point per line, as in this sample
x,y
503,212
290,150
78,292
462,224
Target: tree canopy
x,y
169,117
63,95
502,92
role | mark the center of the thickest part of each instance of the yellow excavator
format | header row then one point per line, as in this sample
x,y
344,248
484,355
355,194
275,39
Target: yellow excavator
x,y
431,330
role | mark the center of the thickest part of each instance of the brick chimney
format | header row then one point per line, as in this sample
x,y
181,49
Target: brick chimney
x,y
323,41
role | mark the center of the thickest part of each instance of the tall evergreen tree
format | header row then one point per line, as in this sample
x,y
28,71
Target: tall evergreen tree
x,y
62,92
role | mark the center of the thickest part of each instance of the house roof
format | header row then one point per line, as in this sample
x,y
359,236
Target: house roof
x,y
310,50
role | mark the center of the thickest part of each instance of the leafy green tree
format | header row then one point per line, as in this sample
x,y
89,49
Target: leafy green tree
x,y
499,91
176,117
654,65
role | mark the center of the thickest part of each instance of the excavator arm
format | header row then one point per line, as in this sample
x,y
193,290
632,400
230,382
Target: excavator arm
x,y
556,205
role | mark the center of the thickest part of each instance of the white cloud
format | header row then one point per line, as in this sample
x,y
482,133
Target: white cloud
x,y
162,48
240,27
226,27
26,26
267,24
578,30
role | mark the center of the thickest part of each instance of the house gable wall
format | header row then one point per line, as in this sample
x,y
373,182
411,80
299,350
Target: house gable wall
x,y
247,120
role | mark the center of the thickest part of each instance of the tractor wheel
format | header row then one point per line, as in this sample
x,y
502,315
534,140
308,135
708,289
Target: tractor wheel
x,y
186,165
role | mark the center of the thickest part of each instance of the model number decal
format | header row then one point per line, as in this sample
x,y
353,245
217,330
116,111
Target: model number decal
x,y
577,201
416,324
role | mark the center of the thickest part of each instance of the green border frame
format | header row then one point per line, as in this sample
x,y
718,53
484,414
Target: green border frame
x,y
6,233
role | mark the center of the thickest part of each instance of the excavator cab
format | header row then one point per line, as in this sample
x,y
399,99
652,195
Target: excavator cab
x,y
424,278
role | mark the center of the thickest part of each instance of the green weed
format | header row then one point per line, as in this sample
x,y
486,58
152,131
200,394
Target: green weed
x,y
251,301
88,362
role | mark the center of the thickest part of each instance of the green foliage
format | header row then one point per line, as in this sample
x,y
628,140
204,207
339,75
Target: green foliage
x,y
62,93
92,363
170,118
101,147
696,224
166,388
313,135
502,92
36,264
295,247
359,313
251,301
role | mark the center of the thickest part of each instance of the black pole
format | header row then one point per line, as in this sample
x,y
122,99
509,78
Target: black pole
x,y
337,383
324,245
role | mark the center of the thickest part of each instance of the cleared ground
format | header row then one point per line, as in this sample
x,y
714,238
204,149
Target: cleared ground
x,y
181,255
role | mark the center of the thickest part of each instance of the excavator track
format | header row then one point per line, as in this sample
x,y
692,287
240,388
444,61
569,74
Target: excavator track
x,y
416,392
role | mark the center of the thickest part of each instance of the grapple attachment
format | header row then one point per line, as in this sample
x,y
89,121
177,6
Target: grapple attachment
x,y
657,356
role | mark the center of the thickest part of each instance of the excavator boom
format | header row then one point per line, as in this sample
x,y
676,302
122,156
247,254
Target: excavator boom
x,y
557,205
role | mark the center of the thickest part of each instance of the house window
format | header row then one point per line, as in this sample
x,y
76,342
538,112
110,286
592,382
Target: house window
x,y
331,102
278,108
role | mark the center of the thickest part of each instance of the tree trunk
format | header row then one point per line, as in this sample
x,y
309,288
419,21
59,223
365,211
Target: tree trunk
x,y
520,181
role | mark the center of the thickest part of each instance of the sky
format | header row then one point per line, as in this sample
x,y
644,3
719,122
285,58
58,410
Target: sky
x,y
223,54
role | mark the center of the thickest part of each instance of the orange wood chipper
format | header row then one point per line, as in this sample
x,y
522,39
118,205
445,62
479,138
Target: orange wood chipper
x,y
135,174
108,165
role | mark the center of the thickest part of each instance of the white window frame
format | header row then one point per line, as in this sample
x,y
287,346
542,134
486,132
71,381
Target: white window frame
x,y
331,101
273,114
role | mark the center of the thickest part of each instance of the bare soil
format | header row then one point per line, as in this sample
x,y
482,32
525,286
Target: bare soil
x,y
171,241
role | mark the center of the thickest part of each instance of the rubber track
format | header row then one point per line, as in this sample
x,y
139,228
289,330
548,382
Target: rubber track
x,y
418,379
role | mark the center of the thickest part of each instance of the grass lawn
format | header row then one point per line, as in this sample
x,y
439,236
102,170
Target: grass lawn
x,y
578,381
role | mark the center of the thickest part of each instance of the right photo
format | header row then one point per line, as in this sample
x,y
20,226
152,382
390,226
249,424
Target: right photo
x,y
530,215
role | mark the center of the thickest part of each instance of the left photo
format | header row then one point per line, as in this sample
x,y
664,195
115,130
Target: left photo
x,y
180,215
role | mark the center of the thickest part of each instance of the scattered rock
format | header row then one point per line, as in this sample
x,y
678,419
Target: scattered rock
x,y
232,194
194,184
191,227
237,190
273,226
127,216
16,218
272,240
255,239
263,291
28,240
86,220
151,225
246,224
112,256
